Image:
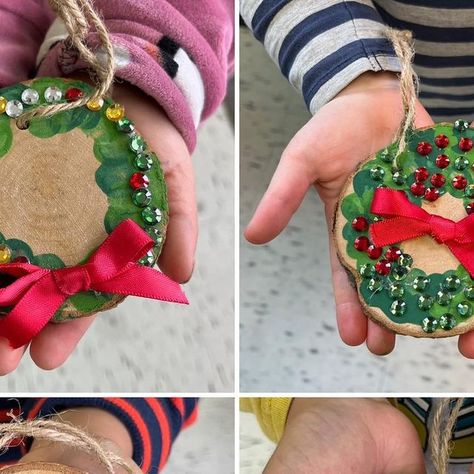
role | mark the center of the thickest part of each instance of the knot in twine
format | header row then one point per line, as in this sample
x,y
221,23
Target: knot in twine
x,y
60,432
79,17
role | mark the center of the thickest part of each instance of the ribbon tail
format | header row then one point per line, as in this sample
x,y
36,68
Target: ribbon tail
x,y
397,229
32,312
464,253
145,282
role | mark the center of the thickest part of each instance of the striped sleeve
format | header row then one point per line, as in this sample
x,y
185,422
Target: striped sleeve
x,y
321,46
153,423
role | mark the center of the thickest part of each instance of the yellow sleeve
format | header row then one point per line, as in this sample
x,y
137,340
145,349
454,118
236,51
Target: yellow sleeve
x,y
271,414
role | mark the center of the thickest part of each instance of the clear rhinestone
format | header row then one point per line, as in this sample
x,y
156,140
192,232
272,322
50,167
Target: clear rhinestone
x,y
14,108
30,97
53,94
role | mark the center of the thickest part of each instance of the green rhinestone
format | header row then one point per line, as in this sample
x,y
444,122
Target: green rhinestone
x,y
461,125
469,191
396,291
461,163
425,302
469,292
420,283
399,178
443,298
155,234
429,324
137,144
398,308
464,308
141,197
125,125
447,321
405,260
451,283
377,173
148,259
399,272
386,156
143,161
375,284
367,270
151,215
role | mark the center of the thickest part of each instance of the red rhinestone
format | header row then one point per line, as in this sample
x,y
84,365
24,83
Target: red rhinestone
x,y
442,141
360,224
374,252
442,161
465,144
470,208
21,259
382,267
424,148
139,180
421,174
438,180
431,194
393,254
74,94
459,182
361,243
418,189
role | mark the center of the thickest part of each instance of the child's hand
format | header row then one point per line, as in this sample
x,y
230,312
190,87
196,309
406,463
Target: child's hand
x,y
361,120
360,436
100,424
177,259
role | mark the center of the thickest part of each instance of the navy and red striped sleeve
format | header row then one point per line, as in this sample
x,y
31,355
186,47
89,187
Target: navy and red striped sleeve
x,y
153,423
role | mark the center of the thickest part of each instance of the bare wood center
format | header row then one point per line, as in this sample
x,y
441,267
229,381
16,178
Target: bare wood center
x,y
50,198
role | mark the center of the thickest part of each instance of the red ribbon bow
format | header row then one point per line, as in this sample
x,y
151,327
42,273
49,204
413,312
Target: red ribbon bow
x,y
37,293
405,220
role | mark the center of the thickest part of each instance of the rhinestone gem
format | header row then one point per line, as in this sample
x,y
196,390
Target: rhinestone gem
x,y
461,163
438,180
148,259
95,105
5,254
361,243
405,260
375,284
139,180
443,298
137,144
421,174
459,182
142,197
469,191
151,215
53,94
461,125
383,267
14,108
431,194
377,173
73,94
442,161
386,156
424,148
451,283
465,144
399,272
143,161
115,112
418,189
398,308
3,105
420,283
155,234
470,208
360,224
30,96
425,302
374,252
366,271
125,125
393,254
399,178
429,324
464,308
469,292
396,291
447,321
442,141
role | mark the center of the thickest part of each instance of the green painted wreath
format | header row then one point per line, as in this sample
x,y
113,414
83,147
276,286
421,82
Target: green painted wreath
x,y
413,287
128,174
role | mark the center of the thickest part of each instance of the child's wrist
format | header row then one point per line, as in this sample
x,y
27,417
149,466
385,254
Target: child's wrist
x,y
370,80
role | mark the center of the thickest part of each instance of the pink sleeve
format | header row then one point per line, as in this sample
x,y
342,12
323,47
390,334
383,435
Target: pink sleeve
x,y
180,52
23,25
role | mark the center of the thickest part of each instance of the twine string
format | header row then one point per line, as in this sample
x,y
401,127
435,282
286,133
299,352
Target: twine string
x,y
60,432
79,17
444,418
402,41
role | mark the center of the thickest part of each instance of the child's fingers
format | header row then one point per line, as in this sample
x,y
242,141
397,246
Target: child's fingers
x,y
281,200
9,358
466,345
380,340
177,258
51,348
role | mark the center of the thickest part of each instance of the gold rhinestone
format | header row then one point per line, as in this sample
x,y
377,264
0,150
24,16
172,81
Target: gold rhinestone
x,y
95,105
5,254
115,112
3,105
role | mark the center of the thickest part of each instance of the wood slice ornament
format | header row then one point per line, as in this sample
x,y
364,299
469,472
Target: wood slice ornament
x,y
40,468
415,286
